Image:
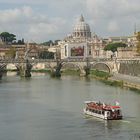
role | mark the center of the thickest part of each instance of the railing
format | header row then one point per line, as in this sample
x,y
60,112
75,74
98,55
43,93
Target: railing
x,y
67,60
24,61
127,59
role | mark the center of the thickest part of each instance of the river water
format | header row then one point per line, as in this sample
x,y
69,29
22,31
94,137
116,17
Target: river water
x,y
43,108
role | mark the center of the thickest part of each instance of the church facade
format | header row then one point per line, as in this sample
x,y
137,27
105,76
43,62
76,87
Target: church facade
x,y
81,43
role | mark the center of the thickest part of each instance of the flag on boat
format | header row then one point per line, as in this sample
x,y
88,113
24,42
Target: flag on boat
x,y
117,103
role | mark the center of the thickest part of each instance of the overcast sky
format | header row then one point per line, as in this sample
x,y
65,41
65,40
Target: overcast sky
x,y
42,20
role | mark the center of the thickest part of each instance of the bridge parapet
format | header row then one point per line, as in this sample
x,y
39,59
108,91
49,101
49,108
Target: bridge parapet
x,y
112,64
68,60
54,60
128,60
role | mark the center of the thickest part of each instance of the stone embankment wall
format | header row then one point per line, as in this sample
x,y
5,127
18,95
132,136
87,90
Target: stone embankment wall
x,y
131,85
132,69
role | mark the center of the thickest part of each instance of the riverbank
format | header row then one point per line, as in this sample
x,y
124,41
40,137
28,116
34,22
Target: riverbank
x,y
121,80
128,81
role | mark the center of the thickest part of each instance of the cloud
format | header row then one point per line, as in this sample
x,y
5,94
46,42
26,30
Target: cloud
x,y
113,26
113,8
28,23
23,1
41,20
114,17
15,15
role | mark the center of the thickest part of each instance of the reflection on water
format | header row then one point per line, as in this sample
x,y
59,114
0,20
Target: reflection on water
x,y
32,73
44,108
11,74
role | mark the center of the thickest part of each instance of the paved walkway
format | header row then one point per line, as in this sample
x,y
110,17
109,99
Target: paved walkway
x,y
127,78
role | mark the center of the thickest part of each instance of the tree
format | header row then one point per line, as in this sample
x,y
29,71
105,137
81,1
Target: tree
x,y
138,45
20,42
113,46
56,42
48,43
7,37
46,55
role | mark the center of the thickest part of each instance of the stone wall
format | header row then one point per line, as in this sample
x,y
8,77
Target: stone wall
x,y
130,69
128,52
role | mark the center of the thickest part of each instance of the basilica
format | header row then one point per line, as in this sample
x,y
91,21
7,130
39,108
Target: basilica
x,y
82,43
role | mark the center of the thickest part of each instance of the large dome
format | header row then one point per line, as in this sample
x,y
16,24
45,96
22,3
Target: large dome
x,y
81,29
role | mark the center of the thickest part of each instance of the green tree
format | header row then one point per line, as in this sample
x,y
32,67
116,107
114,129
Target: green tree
x,y
48,43
113,46
46,55
56,42
20,42
8,37
138,45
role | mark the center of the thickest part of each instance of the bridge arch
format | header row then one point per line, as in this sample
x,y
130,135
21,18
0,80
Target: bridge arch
x,y
101,66
3,66
72,66
11,66
42,66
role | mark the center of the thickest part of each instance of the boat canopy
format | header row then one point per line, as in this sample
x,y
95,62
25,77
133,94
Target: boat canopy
x,y
99,105
115,107
87,102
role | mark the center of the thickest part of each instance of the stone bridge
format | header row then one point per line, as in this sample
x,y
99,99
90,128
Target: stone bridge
x,y
56,66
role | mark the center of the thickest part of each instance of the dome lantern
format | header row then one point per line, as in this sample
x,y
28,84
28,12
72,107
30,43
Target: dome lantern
x,y
81,19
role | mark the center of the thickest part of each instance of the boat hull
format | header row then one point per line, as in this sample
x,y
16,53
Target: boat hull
x,y
101,116
94,114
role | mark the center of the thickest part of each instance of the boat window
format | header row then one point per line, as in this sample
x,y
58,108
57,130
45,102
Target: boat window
x,y
118,112
103,112
108,113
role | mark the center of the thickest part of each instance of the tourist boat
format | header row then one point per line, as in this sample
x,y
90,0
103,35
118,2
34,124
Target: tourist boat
x,y
103,111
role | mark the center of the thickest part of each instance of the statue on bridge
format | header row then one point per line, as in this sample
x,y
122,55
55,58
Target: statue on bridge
x,y
2,70
57,71
28,69
25,67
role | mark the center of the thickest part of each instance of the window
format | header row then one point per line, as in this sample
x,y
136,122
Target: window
x,y
89,50
65,50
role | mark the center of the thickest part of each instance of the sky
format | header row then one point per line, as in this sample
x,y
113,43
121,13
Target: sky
x,y
43,20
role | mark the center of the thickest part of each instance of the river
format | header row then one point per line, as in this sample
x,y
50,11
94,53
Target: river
x,y
44,108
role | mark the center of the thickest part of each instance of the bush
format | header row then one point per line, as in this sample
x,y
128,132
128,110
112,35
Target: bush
x,y
101,74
